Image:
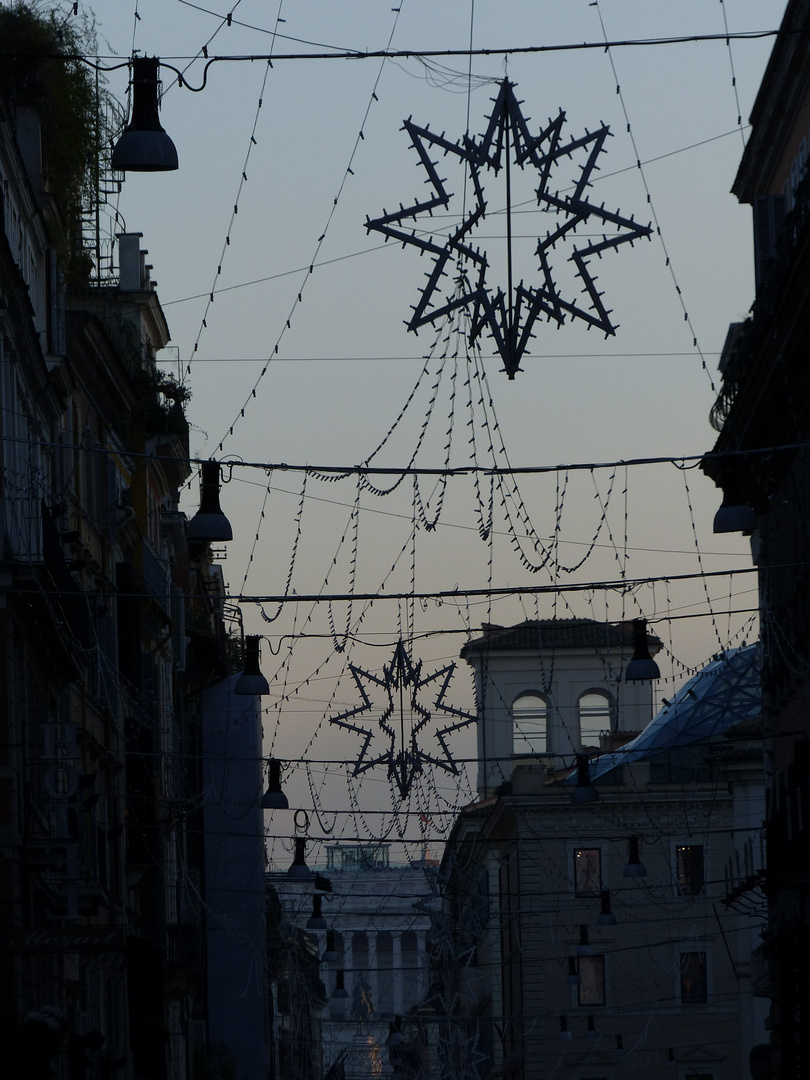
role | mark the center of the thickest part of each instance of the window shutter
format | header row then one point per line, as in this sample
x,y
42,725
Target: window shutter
x,y
769,217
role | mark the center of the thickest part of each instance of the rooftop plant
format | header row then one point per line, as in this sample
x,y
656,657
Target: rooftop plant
x,y
39,69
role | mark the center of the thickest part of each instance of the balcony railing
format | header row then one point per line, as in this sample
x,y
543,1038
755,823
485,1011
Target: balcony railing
x,y
793,236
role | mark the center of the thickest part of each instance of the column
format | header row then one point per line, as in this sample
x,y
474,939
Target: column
x,y
420,962
374,981
348,962
396,971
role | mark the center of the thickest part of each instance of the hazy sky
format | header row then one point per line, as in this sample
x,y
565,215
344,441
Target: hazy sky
x,y
345,366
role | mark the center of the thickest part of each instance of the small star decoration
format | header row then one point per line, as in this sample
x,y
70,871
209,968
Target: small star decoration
x,y
403,720
509,316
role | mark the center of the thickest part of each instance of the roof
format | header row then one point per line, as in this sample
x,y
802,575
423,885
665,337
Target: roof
x,y
780,102
542,635
721,695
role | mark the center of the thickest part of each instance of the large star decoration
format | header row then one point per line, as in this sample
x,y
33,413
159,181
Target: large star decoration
x,y
509,315
403,720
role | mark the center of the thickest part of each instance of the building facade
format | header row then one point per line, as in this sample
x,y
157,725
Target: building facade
x,y
379,918
112,627
547,689
590,927
761,461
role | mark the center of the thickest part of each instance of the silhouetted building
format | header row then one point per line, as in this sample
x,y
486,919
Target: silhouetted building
x,y
589,920
111,626
761,460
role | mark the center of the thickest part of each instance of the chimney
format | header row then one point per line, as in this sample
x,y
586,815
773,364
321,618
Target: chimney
x,y
130,262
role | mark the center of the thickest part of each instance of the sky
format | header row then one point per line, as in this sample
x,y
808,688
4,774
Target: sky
x,y
304,358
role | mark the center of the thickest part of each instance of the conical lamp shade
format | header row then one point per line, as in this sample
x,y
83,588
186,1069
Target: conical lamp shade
x,y
251,682
209,523
642,667
274,798
635,867
299,871
144,146
316,921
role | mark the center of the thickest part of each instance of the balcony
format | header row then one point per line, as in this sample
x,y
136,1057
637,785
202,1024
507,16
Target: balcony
x,y
184,947
782,261
156,580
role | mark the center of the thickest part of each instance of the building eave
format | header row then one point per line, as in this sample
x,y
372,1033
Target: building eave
x,y
780,99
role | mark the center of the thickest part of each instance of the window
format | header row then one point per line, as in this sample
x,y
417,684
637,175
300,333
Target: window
x,y
594,717
592,980
689,869
694,986
587,871
530,716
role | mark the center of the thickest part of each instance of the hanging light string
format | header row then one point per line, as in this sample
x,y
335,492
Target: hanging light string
x,y
430,523
686,317
136,18
243,179
709,603
511,500
366,466
510,495
733,74
340,646
377,833
317,805
434,391
202,53
484,510
348,171
295,638
227,21
262,517
411,603
299,516
351,641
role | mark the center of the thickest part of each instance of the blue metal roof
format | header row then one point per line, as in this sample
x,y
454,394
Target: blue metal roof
x,y
722,694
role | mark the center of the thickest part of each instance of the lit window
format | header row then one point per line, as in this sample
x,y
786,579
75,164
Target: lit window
x,y
592,980
530,716
587,871
694,987
594,717
689,869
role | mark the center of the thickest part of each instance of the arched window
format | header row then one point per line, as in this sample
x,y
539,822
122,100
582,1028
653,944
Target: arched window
x,y
594,717
530,717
